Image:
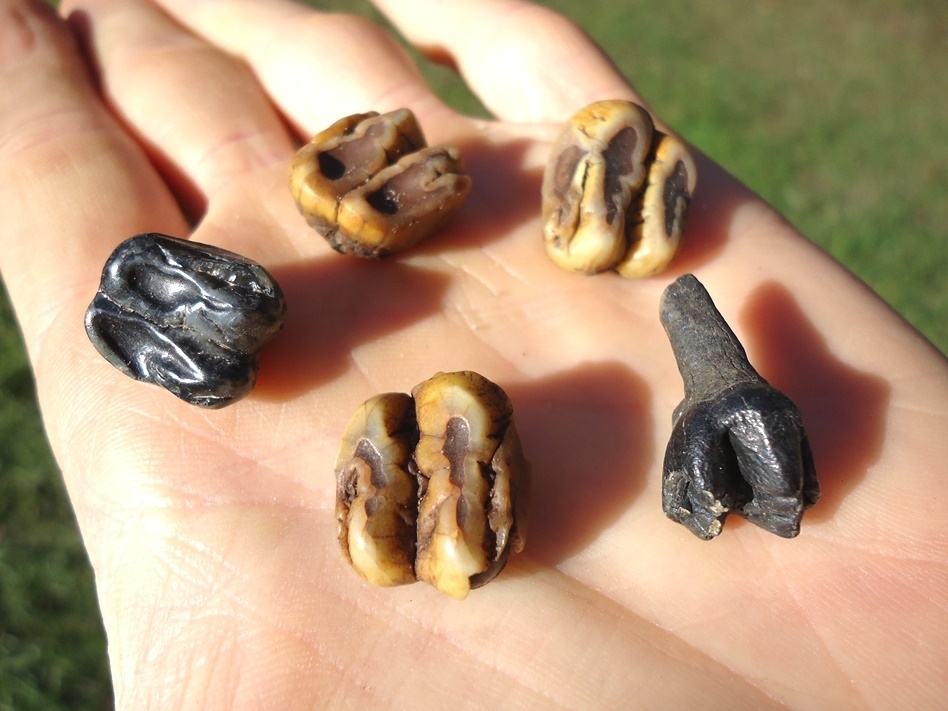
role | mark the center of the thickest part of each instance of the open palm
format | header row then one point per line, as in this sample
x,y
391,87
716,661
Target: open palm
x,y
212,532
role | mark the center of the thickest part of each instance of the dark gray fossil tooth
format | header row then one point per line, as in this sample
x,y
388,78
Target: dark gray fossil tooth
x,y
186,316
737,443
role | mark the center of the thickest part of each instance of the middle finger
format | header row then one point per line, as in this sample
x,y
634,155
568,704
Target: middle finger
x,y
317,66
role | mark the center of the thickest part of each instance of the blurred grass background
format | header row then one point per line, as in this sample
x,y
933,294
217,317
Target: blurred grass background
x,y
833,112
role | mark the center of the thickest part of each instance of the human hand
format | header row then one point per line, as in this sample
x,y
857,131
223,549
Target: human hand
x,y
212,533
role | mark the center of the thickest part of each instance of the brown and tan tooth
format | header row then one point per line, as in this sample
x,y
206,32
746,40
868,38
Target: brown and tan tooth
x,y
472,513
405,202
376,492
433,486
662,210
596,169
615,192
371,186
346,155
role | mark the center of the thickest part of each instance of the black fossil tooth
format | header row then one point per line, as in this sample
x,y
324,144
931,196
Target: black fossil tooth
x,y
187,316
737,443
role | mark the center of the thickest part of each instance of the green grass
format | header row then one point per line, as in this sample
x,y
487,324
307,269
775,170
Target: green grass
x,y
833,112
52,650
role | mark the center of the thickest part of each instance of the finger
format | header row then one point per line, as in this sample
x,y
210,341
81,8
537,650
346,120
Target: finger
x,y
318,67
525,62
74,184
201,113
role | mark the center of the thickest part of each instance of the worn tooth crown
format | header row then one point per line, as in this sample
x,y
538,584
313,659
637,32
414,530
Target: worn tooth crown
x,y
469,507
460,418
615,192
660,211
376,491
371,186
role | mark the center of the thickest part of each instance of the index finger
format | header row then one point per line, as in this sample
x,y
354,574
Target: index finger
x,y
63,161
316,66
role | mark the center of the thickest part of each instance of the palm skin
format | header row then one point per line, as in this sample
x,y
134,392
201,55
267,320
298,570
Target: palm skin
x,y
212,533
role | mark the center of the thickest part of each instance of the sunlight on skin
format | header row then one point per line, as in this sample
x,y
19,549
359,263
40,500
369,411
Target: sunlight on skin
x,y
212,533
